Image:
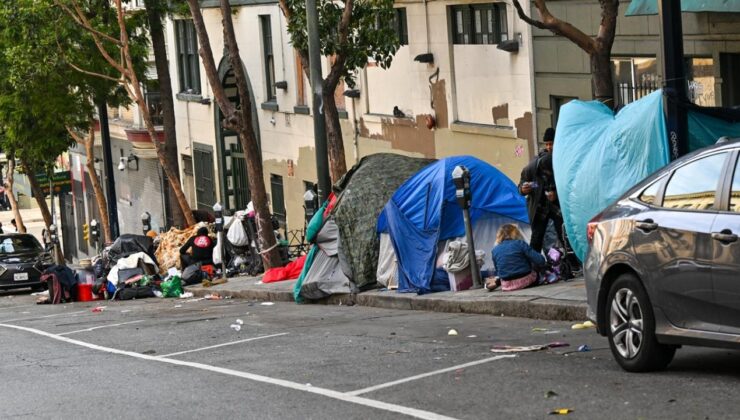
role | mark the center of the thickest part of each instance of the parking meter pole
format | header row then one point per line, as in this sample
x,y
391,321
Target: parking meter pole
x,y
219,222
464,196
474,270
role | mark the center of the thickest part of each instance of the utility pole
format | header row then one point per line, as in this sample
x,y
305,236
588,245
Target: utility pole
x,y
674,77
110,181
317,81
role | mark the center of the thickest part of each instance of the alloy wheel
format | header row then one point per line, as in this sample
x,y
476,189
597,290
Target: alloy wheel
x,y
626,323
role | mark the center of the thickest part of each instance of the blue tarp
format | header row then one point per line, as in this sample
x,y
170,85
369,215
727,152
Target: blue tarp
x,y
598,156
424,211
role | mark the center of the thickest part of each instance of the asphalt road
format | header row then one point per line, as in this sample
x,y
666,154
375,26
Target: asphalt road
x,y
176,358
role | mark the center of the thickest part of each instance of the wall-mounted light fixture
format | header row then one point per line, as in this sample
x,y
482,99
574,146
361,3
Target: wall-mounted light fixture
x,y
282,85
124,162
425,58
511,46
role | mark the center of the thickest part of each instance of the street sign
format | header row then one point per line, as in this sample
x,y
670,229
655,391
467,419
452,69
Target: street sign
x,y
61,182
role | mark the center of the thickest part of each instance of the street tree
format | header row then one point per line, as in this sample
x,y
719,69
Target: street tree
x,y
598,47
238,119
119,52
350,33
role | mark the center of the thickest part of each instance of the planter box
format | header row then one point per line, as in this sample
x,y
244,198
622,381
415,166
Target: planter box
x,y
141,136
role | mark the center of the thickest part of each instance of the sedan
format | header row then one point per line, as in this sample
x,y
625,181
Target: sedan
x,y
22,260
663,267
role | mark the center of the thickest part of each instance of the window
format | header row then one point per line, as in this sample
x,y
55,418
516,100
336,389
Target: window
x,y
735,192
278,198
634,78
300,81
479,23
694,185
556,102
187,56
401,26
20,243
650,193
268,57
700,74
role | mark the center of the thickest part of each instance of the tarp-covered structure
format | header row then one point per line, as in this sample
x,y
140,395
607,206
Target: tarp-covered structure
x,y
423,212
346,247
599,155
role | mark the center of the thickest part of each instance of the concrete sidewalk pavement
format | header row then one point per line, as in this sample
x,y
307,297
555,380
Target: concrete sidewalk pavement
x,y
564,301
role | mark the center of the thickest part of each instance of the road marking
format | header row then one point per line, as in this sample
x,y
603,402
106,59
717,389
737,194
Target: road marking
x,y
101,326
222,345
425,375
380,405
42,317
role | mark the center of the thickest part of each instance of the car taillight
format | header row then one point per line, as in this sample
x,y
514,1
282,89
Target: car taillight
x,y
591,227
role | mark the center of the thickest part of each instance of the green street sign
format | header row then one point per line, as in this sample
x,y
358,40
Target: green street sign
x,y
61,182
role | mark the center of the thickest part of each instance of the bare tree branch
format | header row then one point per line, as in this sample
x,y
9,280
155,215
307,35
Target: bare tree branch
x,y
94,74
557,26
77,19
607,28
523,16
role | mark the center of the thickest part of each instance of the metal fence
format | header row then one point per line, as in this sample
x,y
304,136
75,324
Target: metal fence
x,y
626,92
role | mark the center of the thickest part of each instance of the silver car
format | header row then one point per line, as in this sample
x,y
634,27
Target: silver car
x,y
663,267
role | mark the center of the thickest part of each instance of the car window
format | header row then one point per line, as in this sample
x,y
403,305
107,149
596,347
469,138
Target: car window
x,y
650,193
735,194
22,243
694,186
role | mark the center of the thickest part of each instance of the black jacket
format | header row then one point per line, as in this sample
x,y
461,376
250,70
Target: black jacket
x,y
536,197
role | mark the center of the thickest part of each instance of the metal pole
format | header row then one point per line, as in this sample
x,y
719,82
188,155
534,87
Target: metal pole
x,y
474,270
110,181
317,81
674,77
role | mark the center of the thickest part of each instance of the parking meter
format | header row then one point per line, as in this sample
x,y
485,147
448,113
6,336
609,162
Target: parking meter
x,y
461,179
146,221
310,202
219,217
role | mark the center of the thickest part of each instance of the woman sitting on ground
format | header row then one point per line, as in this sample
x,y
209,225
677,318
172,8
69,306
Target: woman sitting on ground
x,y
516,262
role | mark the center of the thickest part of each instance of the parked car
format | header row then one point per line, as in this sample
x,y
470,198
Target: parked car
x,y
663,266
22,260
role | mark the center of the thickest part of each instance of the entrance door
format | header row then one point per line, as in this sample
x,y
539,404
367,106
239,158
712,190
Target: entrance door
x,y
69,239
79,204
730,71
205,192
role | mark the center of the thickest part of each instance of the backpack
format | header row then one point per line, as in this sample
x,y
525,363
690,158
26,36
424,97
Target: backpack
x,y
192,275
58,292
135,292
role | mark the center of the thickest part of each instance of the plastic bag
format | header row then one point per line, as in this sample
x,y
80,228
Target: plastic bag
x,y
171,287
237,236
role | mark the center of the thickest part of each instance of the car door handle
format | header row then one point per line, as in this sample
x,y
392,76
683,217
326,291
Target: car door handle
x,y
726,236
646,225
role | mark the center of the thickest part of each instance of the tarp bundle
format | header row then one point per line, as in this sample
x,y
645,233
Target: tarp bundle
x,y
599,155
424,211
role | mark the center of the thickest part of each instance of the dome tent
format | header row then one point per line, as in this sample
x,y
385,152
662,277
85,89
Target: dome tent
x,y
424,211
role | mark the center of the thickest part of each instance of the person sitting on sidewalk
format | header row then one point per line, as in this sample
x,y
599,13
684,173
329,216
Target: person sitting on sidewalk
x,y
202,249
515,261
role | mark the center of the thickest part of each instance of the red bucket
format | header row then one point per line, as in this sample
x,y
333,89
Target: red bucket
x,y
84,292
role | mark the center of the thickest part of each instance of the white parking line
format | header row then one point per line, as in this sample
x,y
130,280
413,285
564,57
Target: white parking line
x,y
340,396
42,317
101,326
222,345
425,375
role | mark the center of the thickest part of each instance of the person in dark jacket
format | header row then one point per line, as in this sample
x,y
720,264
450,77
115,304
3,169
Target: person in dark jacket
x,y
516,263
202,249
537,183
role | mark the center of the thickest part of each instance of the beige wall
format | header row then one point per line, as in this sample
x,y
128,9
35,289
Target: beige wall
x,y
487,78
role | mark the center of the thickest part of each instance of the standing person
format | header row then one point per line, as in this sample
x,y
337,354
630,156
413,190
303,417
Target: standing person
x,y
516,263
537,183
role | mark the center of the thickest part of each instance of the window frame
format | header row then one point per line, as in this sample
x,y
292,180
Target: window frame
x,y
188,64
720,188
731,166
473,32
401,25
268,57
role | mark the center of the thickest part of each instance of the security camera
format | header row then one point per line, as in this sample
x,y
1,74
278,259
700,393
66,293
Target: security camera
x,y
122,164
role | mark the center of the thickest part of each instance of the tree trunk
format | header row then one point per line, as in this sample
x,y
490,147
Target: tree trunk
x,y
98,189
601,75
335,142
11,195
159,48
41,200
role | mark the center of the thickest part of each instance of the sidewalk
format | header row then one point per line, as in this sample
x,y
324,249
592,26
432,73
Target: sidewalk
x,y
565,301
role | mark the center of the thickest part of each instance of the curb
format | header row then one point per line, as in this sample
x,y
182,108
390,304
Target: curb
x,y
534,308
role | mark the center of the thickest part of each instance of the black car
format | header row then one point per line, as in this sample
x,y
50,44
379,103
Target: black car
x,y
22,260
663,267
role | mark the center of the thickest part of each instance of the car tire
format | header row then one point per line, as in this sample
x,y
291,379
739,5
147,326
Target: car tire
x,y
631,328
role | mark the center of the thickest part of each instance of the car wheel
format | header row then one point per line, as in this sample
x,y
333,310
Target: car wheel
x,y
631,328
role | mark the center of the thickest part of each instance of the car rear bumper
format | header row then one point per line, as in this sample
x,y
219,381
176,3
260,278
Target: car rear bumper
x,y
8,281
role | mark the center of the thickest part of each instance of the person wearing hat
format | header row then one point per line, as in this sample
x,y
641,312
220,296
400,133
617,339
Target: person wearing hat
x,y
537,183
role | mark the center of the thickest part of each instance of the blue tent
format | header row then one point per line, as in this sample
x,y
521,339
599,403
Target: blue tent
x,y
423,211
